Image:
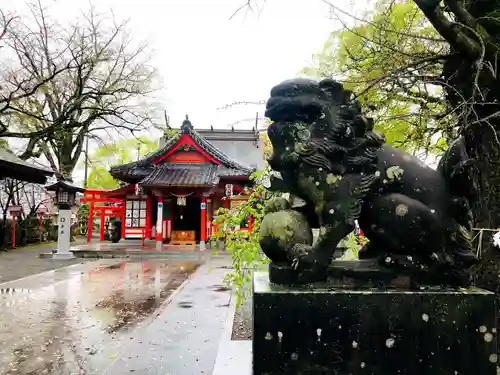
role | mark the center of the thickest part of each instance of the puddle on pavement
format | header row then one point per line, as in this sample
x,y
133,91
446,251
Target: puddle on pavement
x,y
220,288
185,304
75,326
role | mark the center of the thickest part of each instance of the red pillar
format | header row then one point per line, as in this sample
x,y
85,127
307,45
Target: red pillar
x,y
124,218
90,222
149,206
103,220
203,232
14,219
41,226
250,224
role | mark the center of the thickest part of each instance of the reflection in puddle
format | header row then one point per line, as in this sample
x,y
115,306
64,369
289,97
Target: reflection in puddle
x,y
75,326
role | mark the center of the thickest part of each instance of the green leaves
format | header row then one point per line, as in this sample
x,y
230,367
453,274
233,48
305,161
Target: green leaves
x,y
124,151
393,64
99,178
244,246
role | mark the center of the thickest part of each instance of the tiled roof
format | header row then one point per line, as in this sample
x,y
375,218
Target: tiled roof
x,y
14,167
136,171
182,175
242,145
66,185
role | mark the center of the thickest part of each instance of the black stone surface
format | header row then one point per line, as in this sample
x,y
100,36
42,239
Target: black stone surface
x,y
435,331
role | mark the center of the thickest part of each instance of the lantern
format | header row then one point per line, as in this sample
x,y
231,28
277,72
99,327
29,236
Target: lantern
x,y
65,193
64,199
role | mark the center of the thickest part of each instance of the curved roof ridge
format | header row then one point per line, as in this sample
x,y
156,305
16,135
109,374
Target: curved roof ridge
x,y
208,147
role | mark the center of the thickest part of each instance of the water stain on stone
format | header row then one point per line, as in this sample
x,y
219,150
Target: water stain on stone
x,y
130,309
185,304
220,288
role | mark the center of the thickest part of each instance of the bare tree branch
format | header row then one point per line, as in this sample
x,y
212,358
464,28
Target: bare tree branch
x,y
73,81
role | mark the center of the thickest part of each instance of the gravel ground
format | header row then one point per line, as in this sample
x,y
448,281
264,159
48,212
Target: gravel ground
x,y
242,324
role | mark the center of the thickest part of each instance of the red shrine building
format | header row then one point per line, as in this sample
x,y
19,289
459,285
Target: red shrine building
x,y
171,194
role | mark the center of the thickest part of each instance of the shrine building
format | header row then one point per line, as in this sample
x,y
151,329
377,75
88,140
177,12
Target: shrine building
x,y
171,194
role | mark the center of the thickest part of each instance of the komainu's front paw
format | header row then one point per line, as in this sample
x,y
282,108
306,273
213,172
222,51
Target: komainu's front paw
x,y
303,256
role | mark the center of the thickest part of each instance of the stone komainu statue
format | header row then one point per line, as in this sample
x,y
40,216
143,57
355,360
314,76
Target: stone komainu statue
x,y
417,220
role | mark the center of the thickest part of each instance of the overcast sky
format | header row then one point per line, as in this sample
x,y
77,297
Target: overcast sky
x,y
208,61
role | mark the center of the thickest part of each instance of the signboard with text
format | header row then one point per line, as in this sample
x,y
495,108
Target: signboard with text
x,y
15,210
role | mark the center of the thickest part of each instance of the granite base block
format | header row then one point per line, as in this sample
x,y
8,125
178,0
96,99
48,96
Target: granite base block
x,y
299,330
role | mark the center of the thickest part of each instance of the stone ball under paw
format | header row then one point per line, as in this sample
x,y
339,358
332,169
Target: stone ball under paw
x,y
281,230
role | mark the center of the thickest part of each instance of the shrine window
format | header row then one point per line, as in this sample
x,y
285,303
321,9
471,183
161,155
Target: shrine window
x,y
135,214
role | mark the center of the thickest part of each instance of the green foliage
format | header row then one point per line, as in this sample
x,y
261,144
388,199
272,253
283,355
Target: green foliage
x,y
351,243
27,232
124,151
99,178
243,245
392,62
82,216
169,133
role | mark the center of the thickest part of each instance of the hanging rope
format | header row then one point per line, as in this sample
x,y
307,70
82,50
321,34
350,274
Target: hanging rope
x,y
181,195
181,199
480,239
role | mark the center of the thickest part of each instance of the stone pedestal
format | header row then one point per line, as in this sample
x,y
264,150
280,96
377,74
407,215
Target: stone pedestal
x,y
63,235
371,331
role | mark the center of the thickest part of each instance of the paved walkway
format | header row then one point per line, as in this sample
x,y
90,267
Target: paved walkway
x,y
23,262
115,317
184,337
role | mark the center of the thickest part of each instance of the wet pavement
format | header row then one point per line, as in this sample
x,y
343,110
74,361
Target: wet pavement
x,y
185,337
85,318
11,261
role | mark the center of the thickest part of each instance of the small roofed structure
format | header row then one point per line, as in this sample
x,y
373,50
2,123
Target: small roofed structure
x,y
13,167
171,194
65,192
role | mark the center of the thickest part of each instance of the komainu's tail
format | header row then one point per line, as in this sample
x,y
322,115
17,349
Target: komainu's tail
x,y
459,171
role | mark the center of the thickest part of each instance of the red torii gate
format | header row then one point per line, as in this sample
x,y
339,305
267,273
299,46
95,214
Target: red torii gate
x,y
98,200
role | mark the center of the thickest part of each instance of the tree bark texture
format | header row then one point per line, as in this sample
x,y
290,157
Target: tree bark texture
x,y
473,89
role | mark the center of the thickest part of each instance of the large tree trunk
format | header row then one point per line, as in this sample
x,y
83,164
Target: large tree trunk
x,y
473,89
485,148
470,92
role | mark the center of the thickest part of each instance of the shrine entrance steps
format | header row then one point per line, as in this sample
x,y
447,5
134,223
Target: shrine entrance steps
x,y
135,249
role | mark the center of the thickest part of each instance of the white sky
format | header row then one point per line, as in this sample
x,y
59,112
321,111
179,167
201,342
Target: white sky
x,y
207,61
